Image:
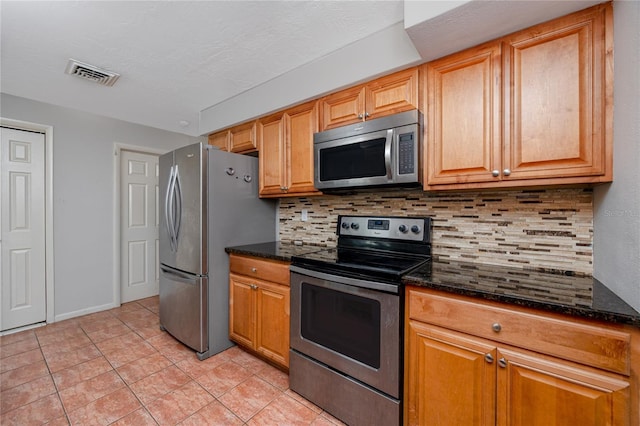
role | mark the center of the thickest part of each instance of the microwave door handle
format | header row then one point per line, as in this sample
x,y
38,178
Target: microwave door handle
x,y
387,153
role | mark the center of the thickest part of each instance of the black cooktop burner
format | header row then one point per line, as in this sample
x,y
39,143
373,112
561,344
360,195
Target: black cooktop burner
x,y
374,248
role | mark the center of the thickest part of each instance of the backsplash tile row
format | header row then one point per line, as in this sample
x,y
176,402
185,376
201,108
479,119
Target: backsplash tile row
x,y
548,229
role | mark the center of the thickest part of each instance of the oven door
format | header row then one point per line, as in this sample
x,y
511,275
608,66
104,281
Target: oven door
x,y
349,328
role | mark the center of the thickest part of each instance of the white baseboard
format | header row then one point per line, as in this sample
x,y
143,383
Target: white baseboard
x,y
85,311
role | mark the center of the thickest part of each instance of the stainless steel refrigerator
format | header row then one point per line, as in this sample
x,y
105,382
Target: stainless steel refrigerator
x,y
209,201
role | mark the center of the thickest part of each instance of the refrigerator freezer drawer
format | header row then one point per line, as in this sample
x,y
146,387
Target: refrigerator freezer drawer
x,y
183,307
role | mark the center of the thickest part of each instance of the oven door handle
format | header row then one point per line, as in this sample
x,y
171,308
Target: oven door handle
x,y
372,285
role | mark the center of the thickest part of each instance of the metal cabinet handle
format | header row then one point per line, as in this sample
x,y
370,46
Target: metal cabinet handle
x,y
495,173
366,114
496,327
253,286
488,358
502,363
506,172
360,116
254,269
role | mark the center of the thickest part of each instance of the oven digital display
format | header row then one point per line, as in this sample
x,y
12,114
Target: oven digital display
x,y
381,224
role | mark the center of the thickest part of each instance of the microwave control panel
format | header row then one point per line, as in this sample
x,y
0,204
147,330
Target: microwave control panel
x,y
406,153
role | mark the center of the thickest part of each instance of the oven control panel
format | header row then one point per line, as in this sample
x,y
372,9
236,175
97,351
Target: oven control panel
x,y
396,228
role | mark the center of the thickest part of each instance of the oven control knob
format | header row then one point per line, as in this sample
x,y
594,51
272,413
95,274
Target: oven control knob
x,y
355,226
345,225
403,229
415,229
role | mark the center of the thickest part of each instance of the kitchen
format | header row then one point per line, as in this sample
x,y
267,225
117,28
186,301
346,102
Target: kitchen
x,y
76,206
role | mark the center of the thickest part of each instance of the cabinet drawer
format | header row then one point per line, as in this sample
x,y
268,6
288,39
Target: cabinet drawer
x,y
268,270
573,340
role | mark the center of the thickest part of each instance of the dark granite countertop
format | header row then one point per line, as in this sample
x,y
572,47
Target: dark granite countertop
x,y
274,250
582,296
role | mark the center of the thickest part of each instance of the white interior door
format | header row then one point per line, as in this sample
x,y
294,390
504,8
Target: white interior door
x,y
139,221
22,223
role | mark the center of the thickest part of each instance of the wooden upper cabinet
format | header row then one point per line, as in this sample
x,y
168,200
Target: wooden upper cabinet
x,y
243,138
463,126
531,108
286,152
556,98
387,95
220,139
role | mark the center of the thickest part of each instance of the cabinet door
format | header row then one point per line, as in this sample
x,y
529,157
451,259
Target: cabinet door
x,y
391,94
220,139
448,378
538,392
463,117
272,166
242,310
342,108
556,98
302,123
243,138
272,337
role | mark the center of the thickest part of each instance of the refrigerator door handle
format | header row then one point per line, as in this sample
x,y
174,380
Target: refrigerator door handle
x,y
178,201
183,276
168,206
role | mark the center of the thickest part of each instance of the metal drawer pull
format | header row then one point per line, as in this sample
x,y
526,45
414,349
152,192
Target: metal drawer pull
x,y
489,358
254,270
496,327
495,173
502,363
253,286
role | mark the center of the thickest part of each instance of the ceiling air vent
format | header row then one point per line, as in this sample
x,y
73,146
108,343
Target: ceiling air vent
x,y
90,72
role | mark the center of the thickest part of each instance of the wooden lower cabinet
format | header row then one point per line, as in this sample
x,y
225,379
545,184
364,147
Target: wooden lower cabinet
x,y
259,316
454,378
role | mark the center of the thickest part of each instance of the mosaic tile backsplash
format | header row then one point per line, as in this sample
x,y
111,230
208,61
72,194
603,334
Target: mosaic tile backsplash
x,y
548,229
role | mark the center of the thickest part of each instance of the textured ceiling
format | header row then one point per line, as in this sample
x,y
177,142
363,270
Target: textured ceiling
x,y
175,58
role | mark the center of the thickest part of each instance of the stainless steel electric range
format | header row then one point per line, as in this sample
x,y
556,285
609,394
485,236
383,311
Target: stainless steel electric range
x,y
347,317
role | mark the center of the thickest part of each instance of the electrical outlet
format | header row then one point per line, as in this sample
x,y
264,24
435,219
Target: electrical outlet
x,y
304,216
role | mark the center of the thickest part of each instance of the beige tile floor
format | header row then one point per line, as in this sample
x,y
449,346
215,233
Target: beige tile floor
x,y
117,368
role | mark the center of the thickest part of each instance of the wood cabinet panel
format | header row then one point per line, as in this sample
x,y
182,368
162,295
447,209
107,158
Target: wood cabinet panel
x,y
531,108
539,392
386,95
272,334
556,99
460,390
259,307
342,108
220,139
272,156
286,153
243,138
497,382
463,109
269,270
571,340
392,94
242,311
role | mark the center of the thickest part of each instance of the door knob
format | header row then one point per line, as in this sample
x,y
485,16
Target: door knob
x,y
506,172
495,173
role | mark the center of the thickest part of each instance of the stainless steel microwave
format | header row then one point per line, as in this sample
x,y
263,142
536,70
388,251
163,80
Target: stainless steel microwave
x,y
380,152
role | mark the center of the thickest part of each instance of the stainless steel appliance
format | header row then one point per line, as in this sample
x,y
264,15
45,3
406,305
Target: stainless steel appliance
x,y
209,201
380,152
347,317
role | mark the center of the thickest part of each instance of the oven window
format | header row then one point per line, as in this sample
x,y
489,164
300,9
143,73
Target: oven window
x,y
352,161
345,323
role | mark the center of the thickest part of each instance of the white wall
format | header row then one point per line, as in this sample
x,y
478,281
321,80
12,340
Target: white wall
x,y
83,196
616,243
